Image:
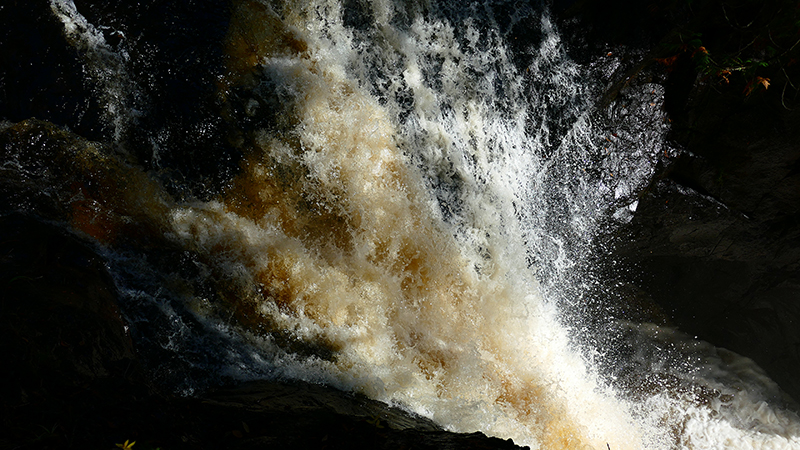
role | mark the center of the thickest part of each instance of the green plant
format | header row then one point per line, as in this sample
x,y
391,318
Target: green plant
x,y
749,50
127,445
47,432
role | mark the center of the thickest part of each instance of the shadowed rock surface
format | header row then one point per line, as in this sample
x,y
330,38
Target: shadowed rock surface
x,y
715,241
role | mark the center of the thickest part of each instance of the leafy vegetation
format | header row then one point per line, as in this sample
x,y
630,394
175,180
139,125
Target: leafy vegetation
x,y
747,44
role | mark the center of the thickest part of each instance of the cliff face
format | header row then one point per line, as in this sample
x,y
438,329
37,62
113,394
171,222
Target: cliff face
x,y
715,241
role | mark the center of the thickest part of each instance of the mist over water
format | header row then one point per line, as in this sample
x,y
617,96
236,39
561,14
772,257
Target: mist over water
x,y
422,190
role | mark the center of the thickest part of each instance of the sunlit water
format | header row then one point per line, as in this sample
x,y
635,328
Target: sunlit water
x,y
413,220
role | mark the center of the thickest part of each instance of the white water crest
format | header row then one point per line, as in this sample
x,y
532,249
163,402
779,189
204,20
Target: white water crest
x,y
416,217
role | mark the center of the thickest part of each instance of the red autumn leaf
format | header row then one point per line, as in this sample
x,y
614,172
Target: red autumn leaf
x,y
668,61
724,74
700,50
753,84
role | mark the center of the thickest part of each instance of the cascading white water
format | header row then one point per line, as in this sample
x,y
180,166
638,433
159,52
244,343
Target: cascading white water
x,y
416,214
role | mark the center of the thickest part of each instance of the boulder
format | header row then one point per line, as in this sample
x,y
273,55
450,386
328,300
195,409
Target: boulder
x,y
715,242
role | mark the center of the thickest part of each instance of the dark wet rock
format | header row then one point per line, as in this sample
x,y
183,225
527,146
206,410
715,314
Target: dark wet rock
x,y
60,322
715,241
55,174
62,337
173,59
307,416
146,82
41,75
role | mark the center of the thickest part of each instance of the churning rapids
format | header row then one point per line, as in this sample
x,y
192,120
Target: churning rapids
x,y
422,187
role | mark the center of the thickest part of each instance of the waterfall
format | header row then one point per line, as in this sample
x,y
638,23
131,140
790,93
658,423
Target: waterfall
x,y
422,188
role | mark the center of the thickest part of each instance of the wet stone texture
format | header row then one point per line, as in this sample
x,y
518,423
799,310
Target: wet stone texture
x,y
715,241
160,102
41,75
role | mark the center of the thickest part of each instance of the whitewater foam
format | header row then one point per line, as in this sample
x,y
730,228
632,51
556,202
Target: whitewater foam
x,y
413,221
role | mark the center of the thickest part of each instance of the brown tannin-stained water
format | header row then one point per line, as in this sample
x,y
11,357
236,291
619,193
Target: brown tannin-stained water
x,y
416,200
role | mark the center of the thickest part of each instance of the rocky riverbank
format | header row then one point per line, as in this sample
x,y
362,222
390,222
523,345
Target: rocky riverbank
x,y
715,240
